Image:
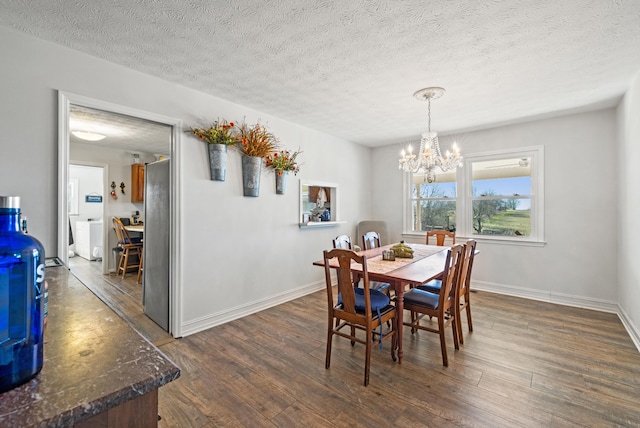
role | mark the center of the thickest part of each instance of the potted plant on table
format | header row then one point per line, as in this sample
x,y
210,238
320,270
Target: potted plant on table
x,y
220,135
282,162
256,142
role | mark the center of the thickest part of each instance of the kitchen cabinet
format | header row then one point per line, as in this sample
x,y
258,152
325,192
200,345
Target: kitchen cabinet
x,y
137,182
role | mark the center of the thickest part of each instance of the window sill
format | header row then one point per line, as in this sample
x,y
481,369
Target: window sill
x,y
312,224
500,240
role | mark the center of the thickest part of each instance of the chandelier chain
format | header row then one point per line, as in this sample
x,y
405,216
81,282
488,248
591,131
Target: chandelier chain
x,y
429,114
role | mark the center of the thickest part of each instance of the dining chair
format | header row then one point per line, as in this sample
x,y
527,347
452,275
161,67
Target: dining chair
x,y
463,291
129,248
370,240
357,309
438,307
343,241
378,225
440,236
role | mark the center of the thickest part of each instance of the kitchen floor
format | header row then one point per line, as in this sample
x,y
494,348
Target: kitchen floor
x,y
123,296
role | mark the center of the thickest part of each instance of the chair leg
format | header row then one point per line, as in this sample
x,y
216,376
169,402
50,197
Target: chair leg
x,y
367,361
126,263
469,316
413,322
459,327
121,264
140,268
443,343
454,329
327,359
394,338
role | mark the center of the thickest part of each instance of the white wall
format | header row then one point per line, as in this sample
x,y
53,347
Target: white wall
x,y
240,254
577,266
118,164
89,180
89,183
629,227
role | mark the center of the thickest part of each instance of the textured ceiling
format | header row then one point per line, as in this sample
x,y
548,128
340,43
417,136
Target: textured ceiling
x,y
350,68
121,132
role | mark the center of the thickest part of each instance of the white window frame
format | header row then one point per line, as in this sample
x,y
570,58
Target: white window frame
x,y
464,189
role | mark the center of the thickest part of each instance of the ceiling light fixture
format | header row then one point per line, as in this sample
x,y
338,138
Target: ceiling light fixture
x,y
89,136
429,156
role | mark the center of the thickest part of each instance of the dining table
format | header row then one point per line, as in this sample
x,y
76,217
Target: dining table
x,y
135,228
427,264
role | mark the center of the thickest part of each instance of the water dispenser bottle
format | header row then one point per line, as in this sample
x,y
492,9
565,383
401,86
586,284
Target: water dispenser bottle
x,y
22,284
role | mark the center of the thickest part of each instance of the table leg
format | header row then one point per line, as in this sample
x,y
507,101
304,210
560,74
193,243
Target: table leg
x,y
399,289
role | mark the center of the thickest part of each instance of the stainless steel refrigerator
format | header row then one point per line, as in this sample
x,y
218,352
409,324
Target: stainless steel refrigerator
x,y
157,225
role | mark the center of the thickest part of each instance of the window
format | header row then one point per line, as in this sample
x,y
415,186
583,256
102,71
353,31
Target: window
x,y
433,205
496,195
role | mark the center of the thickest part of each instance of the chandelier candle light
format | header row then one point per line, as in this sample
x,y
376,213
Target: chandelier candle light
x,y
429,157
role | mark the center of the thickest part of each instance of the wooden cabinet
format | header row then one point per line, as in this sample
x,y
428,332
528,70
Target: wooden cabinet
x,y
137,182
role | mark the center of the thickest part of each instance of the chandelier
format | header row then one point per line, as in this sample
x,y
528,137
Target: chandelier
x,y
429,156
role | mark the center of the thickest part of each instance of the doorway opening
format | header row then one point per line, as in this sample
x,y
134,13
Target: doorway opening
x,y
128,137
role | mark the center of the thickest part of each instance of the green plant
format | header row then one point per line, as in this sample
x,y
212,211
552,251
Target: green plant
x,y
221,132
283,160
256,140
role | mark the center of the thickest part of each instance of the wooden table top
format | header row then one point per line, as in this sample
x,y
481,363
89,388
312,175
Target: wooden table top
x,y
427,263
135,228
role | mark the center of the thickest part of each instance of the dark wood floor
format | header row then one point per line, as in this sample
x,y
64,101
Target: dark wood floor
x,y
526,364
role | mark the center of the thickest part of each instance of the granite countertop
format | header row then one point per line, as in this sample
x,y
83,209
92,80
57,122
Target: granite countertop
x,y
93,361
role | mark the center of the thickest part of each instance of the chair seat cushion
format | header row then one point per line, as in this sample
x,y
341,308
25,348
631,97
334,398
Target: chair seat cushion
x,y
135,240
431,286
379,300
423,298
380,304
379,286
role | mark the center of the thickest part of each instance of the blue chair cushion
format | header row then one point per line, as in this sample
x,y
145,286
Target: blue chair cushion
x,y
379,301
423,298
379,286
431,286
133,241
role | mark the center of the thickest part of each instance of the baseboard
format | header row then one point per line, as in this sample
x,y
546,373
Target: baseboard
x,y
633,331
563,299
231,314
237,312
547,296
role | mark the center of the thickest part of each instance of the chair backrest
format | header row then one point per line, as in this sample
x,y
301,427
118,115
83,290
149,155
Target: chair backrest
x,y
450,277
370,240
465,274
440,236
346,287
121,233
343,241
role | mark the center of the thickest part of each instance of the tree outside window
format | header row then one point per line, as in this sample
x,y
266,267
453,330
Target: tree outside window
x,y
501,201
433,204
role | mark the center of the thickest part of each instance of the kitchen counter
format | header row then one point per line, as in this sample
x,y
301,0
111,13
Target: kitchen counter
x,y
97,370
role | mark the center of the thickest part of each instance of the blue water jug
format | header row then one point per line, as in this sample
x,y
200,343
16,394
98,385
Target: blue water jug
x,y
22,284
